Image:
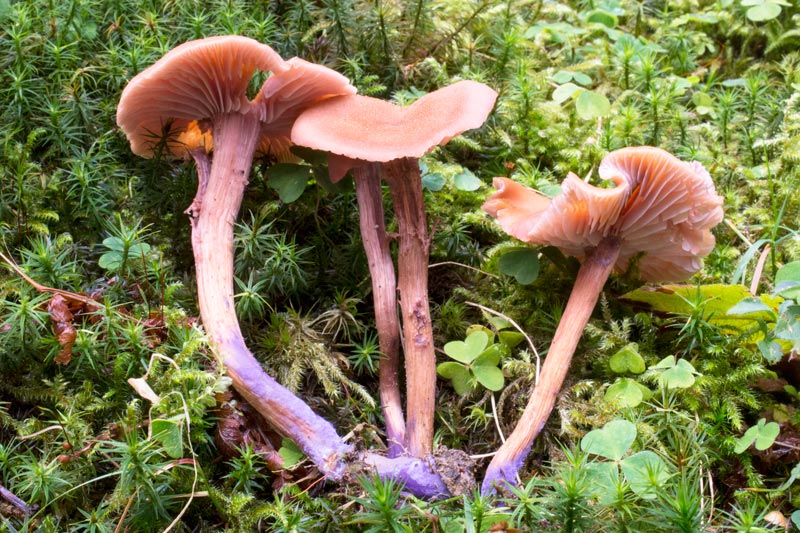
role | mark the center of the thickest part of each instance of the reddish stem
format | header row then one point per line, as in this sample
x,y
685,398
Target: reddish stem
x,y
384,295
405,185
591,278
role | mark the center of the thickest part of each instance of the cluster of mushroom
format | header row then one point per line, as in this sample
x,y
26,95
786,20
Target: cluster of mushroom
x,y
193,103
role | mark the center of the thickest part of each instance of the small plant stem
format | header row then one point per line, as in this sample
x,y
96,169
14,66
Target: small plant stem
x,y
14,500
235,137
384,295
591,277
405,185
203,165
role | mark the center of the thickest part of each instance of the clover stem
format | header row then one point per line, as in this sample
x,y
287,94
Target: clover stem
x,y
384,295
235,137
591,278
405,185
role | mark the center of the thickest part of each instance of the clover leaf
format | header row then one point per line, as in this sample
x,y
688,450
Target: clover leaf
x,y
476,361
762,434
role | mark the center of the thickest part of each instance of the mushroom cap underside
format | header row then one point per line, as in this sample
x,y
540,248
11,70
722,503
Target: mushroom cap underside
x,y
661,207
196,80
287,94
370,129
203,79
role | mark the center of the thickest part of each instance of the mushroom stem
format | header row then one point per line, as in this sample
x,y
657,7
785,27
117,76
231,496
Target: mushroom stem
x,y
235,138
405,185
591,277
381,268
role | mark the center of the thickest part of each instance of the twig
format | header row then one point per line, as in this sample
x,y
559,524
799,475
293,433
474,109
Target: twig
x,y
463,265
193,459
737,232
513,323
43,288
14,500
496,419
482,455
759,270
449,37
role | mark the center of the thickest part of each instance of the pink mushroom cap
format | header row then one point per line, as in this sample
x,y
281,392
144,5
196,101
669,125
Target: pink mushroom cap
x,y
369,129
661,208
200,80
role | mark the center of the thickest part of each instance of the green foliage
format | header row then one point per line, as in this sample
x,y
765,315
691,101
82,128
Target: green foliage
x,y
476,361
718,82
762,435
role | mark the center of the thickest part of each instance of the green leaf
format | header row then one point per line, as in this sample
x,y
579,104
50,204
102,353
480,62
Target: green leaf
x,y
289,180
111,261
562,93
448,369
500,323
598,16
510,339
491,356
562,76
581,78
479,327
771,350
520,263
434,182
790,272
467,181
611,441
463,383
114,243
645,472
763,434
796,519
624,393
675,374
309,155
290,453
764,12
627,360
603,478
748,305
467,350
5,9
591,105
717,300
490,377
168,433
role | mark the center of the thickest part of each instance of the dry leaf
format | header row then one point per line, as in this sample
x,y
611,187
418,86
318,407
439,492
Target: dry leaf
x,y
62,317
143,389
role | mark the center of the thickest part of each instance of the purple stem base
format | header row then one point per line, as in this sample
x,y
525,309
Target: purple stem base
x,y
416,474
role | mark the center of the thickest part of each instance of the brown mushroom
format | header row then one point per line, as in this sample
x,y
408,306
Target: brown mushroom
x,y
206,81
367,130
661,207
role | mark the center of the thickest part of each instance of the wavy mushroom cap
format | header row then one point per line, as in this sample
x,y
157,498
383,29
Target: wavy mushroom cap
x,y
661,207
370,129
287,94
196,80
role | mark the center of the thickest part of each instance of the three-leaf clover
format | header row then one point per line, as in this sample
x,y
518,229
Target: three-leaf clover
x,y
675,374
475,362
763,434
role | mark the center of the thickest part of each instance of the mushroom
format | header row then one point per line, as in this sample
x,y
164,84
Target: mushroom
x,y
661,207
364,131
203,85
